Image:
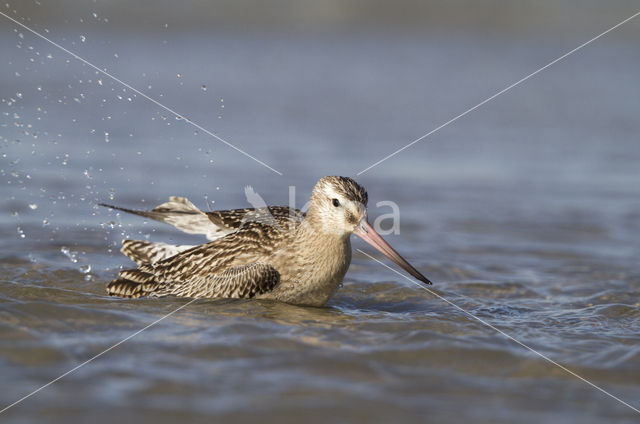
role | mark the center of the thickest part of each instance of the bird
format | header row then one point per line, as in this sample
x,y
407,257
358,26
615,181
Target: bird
x,y
273,252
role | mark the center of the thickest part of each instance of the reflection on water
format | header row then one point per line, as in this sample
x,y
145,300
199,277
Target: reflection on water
x,y
525,214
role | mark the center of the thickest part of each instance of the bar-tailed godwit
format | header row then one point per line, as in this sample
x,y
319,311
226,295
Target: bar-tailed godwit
x,y
275,252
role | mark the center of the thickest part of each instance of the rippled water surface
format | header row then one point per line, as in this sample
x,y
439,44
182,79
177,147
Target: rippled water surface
x,y
525,213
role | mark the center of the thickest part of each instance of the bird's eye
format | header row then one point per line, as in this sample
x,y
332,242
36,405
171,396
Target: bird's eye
x,y
336,202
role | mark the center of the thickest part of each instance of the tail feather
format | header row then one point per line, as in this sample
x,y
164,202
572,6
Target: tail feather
x,y
146,252
135,283
133,286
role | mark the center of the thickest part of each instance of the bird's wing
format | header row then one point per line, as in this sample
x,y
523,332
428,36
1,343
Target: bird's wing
x,y
239,282
213,269
280,217
185,216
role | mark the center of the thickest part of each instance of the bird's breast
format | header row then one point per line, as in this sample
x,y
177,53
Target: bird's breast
x,y
310,275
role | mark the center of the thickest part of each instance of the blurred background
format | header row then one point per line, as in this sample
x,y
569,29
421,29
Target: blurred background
x,y
525,211
484,16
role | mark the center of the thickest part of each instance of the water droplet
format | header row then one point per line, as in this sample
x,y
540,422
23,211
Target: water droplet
x,y
21,232
73,256
204,87
33,206
83,38
179,75
85,269
99,81
45,222
106,137
95,15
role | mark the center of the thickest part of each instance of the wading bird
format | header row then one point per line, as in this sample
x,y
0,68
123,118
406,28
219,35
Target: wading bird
x,y
274,252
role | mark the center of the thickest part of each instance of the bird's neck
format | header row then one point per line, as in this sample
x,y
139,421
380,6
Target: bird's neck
x,y
318,224
314,233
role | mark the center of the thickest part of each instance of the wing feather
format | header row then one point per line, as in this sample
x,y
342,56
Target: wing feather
x,y
185,216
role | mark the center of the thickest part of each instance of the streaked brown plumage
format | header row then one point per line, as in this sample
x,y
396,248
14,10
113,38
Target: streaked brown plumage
x,y
275,252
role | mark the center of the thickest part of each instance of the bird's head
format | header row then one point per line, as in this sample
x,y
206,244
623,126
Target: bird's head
x,y
338,206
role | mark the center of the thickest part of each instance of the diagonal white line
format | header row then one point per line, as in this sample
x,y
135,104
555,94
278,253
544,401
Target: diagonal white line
x,y
96,356
546,358
504,90
173,112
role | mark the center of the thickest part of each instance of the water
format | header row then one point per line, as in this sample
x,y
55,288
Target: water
x,y
524,213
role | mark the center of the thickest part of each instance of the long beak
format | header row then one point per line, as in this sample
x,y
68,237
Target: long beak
x,y
368,234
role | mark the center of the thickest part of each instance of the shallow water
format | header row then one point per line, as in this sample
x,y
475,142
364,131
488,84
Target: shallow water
x,y
524,213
